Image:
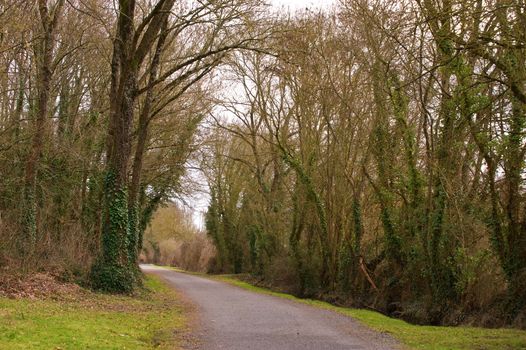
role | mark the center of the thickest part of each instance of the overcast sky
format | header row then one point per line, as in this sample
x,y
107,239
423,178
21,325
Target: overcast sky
x,y
298,4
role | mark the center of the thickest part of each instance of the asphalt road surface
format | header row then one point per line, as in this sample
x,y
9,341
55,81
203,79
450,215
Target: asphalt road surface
x,y
232,318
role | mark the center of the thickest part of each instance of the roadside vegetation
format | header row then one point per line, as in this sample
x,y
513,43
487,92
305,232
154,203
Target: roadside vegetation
x,y
173,239
413,336
377,158
153,318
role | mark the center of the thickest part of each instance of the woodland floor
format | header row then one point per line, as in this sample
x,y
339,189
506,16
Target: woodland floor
x,y
41,313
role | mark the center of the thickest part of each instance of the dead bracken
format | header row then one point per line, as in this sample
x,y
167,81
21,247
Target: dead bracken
x,y
37,286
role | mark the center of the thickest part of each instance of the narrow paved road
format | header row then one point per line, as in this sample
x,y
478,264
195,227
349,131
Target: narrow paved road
x,y
232,318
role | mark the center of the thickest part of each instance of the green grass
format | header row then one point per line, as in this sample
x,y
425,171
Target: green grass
x,y
151,320
413,336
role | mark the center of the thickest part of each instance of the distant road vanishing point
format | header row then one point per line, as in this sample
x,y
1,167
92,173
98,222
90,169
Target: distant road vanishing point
x,y
232,318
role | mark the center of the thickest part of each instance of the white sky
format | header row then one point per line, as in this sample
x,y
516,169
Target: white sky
x,y
301,4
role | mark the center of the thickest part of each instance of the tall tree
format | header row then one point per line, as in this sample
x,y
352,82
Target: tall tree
x,y
49,15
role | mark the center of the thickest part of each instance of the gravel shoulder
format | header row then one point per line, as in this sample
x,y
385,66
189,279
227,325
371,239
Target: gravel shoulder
x,y
236,319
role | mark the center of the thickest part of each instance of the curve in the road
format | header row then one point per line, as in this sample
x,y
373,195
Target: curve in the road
x,y
236,319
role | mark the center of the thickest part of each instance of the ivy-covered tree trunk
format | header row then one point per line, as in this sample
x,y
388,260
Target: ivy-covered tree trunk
x,y
350,250
112,272
214,228
327,268
146,207
298,223
382,149
44,57
117,266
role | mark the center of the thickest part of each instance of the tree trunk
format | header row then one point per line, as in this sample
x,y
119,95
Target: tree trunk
x,y
44,57
116,268
112,271
142,140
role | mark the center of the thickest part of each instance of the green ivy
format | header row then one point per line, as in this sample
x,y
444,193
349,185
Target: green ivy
x,y
113,272
27,243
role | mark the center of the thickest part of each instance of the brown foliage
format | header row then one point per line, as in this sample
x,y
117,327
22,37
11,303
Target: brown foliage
x,y
36,286
178,241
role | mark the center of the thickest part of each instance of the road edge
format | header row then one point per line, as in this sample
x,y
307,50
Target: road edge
x,y
192,337
393,341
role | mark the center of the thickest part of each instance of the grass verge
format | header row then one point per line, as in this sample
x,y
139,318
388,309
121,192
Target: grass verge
x,y
414,336
152,320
